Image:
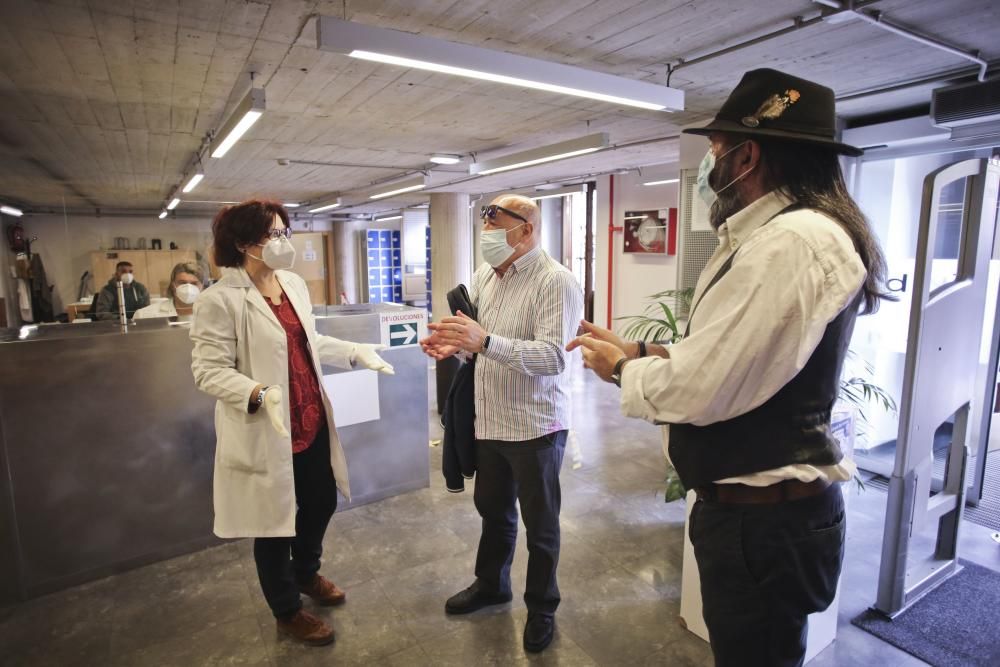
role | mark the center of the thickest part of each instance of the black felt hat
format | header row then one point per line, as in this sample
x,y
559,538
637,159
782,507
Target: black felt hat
x,y
770,103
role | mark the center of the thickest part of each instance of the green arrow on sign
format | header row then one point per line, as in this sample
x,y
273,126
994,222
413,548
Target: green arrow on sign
x,y
402,334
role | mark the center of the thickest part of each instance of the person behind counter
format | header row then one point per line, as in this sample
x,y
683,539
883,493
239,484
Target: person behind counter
x,y
278,461
136,294
186,283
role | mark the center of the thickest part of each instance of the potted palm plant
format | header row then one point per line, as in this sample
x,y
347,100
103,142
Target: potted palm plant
x,y
659,324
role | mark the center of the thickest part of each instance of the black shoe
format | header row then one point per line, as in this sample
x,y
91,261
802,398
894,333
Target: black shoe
x,y
538,632
472,599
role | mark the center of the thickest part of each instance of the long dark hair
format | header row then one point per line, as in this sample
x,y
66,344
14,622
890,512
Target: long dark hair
x,y
811,175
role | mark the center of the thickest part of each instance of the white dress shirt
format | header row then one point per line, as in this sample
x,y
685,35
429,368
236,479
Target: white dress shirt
x,y
530,314
755,329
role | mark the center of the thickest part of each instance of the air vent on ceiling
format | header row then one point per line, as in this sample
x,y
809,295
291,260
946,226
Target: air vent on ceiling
x,y
966,104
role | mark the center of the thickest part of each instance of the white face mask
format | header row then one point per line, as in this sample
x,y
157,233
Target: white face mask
x,y
705,191
278,254
187,293
127,278
494,246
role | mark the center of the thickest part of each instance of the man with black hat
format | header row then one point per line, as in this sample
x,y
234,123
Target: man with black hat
x,y
748,393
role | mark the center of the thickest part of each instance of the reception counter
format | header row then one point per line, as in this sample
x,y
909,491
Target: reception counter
x,y
107,448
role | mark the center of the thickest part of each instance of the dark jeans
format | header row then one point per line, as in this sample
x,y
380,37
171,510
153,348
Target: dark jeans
x,y
285,562
763,570
525,472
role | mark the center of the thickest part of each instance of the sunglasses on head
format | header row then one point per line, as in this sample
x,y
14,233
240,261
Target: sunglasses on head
x,y
491,212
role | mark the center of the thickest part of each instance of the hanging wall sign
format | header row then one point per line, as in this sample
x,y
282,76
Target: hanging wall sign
x,y
650,232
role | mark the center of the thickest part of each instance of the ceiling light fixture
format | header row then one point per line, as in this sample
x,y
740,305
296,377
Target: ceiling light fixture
x,y
551,153
663,182
441,158
329,204
193,183
246,113
173,204
11,210
399,187
162,215
437,55
391,217
557,192
291,204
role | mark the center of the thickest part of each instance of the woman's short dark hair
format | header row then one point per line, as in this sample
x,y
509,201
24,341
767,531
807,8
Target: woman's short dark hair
x,y
242,225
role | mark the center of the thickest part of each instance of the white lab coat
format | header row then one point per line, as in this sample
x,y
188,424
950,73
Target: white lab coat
x,y
163,308
238,344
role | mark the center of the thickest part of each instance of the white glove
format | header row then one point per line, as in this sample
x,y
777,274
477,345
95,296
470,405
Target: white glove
x,y
275,409
367,355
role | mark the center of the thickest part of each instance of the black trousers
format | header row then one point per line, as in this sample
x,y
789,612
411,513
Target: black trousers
x,y
285,562
526,473
763,570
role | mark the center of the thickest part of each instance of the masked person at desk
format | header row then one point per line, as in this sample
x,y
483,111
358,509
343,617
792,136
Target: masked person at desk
x,y
186,283
748,392
136,294
278,461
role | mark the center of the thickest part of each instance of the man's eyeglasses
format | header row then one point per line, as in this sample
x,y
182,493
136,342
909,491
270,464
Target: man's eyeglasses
x,y
278,233
491,212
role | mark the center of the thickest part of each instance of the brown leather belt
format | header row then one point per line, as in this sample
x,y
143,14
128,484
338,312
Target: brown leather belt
x,y
741,494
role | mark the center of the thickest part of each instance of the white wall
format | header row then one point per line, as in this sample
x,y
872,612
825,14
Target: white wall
x,y
635,276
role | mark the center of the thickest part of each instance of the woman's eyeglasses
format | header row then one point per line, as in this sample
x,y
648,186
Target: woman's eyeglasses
x,y
278,233
491,212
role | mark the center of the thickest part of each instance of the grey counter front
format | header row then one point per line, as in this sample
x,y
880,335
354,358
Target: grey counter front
x,y
107,448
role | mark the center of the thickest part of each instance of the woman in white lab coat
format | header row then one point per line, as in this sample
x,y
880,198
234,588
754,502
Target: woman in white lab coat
x,y
278,461
186,282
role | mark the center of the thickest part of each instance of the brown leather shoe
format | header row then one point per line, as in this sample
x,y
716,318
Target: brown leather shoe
x,y
307,629
324,591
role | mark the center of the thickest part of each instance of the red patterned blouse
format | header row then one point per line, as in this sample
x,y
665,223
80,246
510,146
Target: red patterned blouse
x,y
305,403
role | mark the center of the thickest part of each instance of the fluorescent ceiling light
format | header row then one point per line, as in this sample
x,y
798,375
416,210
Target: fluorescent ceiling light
x,y
11,210
406,50
399,187
391,217
193,183
446,159
242,119
529,158
173,204
162,215
558,192
325,206
291,204
664,182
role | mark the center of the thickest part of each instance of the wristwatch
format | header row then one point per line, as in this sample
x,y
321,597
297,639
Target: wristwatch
x,y
642,349
616,374
486,342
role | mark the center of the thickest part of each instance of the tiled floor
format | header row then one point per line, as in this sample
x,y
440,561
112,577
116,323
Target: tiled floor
x,y
401,558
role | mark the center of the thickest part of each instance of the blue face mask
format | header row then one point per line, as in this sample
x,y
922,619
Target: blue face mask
x,y
705,191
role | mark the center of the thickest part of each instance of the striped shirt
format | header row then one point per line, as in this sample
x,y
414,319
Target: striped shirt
x,y
531,313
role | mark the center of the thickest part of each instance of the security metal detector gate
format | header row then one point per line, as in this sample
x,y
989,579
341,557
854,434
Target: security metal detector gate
x,y
939,382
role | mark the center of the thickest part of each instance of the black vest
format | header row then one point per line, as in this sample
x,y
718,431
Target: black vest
x,y
792,427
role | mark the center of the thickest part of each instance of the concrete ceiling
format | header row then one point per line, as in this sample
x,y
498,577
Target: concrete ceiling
x,y
106,102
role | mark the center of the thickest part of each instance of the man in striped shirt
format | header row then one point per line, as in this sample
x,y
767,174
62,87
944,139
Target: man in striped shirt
x,y
528,309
